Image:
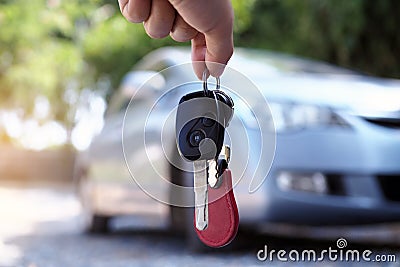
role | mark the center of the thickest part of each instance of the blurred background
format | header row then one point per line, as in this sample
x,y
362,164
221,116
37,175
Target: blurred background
x,y
60,61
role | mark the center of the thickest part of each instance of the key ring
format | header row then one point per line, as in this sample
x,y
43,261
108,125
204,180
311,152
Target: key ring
x,y
206,73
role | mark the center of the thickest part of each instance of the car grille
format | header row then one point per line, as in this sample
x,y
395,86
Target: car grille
x,y
390,185
335,184
387,123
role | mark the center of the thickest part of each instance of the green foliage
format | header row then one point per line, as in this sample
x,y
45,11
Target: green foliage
x,y
114,46
38,54
50,46
243,17
361,34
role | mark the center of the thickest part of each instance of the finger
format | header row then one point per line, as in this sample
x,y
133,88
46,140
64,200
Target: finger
x,y
135,11
203,50
219,42
215,20
198,54
161,19
181,31
219,51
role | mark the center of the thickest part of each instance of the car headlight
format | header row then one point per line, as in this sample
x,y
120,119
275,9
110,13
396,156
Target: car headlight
x,y
296,116
311,182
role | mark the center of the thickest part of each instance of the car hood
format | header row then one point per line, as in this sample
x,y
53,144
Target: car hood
x,y
287,78
360,94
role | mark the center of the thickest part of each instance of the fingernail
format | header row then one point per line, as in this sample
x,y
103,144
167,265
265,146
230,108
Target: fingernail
x,y
198,67
216,69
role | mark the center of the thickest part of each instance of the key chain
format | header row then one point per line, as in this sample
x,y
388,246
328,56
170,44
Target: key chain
x,y
201,120
223,216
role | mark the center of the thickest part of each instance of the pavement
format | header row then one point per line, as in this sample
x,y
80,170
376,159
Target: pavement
x,y
41,226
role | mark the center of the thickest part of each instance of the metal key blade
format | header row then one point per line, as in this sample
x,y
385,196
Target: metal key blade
x,y
201,194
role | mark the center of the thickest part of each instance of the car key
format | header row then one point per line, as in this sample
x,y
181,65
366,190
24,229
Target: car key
x,y
200,127
201,194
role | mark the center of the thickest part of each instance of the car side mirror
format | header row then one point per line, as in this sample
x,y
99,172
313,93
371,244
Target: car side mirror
x,y
142,84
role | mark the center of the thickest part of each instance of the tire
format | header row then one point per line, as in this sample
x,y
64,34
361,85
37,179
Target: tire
x,y
181,218
182,224
192,240
92,223
99,225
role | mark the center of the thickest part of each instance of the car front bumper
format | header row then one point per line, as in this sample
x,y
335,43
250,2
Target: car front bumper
x,y
361,165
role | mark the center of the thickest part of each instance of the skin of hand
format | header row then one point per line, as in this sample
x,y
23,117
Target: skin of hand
x,y
207,23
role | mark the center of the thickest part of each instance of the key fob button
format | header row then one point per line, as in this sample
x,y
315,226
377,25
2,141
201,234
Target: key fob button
x,y
195,138
207,122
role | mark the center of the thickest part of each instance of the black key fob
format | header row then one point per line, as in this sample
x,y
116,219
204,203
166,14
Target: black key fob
x,y
200,124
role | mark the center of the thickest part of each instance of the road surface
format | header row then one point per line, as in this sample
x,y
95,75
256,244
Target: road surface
x,y
41,226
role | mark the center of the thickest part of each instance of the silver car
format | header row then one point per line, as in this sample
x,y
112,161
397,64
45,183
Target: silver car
x,y
325,150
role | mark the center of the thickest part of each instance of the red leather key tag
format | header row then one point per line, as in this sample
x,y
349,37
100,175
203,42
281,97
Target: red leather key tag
x,y
223,216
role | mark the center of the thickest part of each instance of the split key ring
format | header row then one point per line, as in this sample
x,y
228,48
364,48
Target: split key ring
x,y
206,73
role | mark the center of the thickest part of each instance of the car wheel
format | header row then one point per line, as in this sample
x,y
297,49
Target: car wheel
x,y
182,223
92,223
181,218
192,240
99,225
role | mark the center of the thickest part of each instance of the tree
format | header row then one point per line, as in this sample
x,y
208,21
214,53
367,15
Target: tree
x,y
56,48
360,34
38,55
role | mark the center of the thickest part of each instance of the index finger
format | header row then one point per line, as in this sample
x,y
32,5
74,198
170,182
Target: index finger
x,y
219,44
215,20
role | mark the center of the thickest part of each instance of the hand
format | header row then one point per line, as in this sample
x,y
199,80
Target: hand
x,y
207,23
